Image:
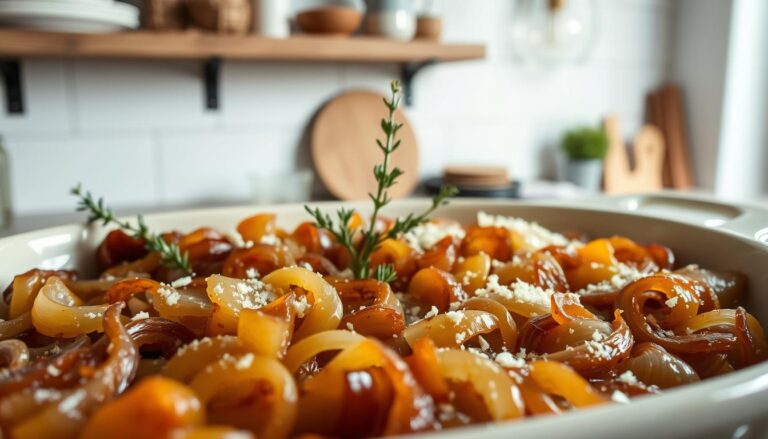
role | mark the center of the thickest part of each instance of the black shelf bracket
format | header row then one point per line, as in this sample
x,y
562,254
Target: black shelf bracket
x,y
211,82
407,72
14,95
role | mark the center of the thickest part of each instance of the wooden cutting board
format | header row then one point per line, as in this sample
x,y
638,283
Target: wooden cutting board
x,y
344,150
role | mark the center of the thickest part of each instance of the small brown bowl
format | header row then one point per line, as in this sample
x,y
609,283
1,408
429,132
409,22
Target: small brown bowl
x,y
330,20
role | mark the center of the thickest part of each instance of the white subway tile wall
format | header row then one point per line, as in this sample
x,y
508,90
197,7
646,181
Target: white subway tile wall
x,y
138,133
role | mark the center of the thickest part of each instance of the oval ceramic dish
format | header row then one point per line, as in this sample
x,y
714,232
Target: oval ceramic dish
x,y
718,236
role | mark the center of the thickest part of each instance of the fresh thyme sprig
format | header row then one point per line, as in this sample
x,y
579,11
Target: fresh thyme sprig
x,y
385,179
97,211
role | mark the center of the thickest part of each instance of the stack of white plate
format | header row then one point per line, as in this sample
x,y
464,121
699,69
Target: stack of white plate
x,y
86,16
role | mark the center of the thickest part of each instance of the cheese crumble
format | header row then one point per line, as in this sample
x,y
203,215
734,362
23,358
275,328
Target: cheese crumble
x,y
140,316
301,306
519,291
182,282
532,234
508,360
629,378
620,397
671,302
425,236
432,312
455,316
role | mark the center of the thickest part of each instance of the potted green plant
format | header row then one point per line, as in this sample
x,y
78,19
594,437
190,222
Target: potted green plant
x,y
585,148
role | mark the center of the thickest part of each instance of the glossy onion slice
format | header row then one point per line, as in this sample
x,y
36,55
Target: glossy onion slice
x,y
493,384
57,312
558,379
653,365
410,410
326,311
632,300
250,392
192,358
452,329
65,418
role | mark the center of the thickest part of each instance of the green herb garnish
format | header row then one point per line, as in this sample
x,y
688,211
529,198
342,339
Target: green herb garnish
x,y
385,178
97,211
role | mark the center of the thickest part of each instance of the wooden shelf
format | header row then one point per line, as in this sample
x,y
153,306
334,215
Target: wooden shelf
x,y
196,45
213,48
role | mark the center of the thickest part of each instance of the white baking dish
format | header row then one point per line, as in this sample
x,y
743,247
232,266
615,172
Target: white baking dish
x,y
715,235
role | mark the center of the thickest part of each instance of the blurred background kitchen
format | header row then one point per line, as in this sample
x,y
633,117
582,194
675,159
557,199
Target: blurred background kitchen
x,y
176,103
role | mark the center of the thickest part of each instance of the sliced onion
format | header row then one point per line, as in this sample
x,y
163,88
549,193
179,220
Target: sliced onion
x,y
16,326
193,357
632,300
653,365
26,286
250,392
306,349
326,311
452,330
66,417
13,354
595,357
507,325
493,384
57,312
558,379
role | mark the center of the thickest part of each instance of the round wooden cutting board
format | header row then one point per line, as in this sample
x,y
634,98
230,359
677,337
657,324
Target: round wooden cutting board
x,y
344,148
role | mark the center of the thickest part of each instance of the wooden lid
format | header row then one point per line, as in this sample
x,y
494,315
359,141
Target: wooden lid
x,y
476,176
344,149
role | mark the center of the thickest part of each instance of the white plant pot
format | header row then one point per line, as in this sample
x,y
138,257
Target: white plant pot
x,y
587,174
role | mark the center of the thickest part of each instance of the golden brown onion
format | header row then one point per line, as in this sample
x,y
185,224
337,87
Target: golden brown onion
x,y
632,300
653,365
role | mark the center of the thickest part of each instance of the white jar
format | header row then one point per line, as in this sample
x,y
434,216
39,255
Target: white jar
x,y
270,18
394,19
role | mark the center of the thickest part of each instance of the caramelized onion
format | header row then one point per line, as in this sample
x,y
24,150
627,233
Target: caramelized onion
x,y
65,418
653,365
599,354
13,354
326,311
193,357
493,384
453,329
558,379
434,287
57,312
507,325
632,300
249,392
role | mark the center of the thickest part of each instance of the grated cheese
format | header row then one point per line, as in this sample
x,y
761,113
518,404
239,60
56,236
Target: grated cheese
x,y
270,240
182,282
244,362
425,236
519,291
620,397
629,378
508,360
484,345
671,302
251,273
455,316
140,316
301,306
170,296
532,234
432,312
